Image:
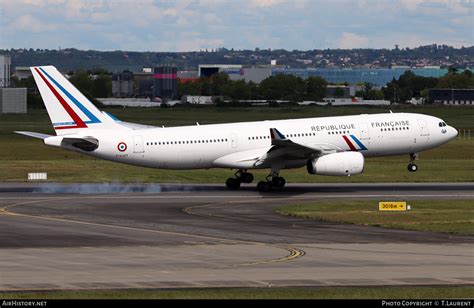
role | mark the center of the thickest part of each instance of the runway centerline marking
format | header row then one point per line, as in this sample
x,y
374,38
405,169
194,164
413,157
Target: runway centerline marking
x,y
294,252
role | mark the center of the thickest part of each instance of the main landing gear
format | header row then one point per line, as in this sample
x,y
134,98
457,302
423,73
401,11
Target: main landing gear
x,y
241,176
273,180
412,167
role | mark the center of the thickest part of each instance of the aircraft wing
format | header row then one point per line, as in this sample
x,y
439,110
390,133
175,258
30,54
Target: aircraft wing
x,y
286,149
281,149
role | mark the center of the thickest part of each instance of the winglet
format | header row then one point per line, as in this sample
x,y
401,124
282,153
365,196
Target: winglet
x,y
276,135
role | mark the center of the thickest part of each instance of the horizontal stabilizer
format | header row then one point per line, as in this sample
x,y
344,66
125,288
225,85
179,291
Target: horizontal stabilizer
x,y
33,134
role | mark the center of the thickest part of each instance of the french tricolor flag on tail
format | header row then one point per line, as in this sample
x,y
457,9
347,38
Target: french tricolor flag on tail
x,y
67,107
354,143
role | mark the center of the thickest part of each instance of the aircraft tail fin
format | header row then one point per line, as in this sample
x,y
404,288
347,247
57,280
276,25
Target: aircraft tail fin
x,y
69,110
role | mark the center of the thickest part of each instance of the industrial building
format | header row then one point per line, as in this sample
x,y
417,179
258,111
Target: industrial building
x,y
338,91
5,71
23,72
13,100
352,102
206,70
237,72
122,84
452,96
158,83
187,76
165,82
377,77
143,83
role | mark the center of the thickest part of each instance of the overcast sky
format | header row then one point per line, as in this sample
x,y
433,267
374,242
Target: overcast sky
x,y
189,25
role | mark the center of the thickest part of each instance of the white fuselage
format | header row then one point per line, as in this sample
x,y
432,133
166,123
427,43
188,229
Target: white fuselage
x,y
235,145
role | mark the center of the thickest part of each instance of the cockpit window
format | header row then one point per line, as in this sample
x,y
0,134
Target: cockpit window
x,y
442,124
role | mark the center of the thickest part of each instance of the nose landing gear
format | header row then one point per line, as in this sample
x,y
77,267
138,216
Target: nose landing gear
x,y
412,167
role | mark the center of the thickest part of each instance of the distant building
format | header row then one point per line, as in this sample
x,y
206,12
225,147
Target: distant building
x,y
13,100
237,72
128,102
145,88
353,102
143,83
377,77
22,72
5,71
165,82
197,100
338,91
122,84
206,70
187,76
451,96
255,73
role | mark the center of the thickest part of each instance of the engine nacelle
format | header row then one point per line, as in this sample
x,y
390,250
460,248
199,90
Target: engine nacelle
x,y
344,163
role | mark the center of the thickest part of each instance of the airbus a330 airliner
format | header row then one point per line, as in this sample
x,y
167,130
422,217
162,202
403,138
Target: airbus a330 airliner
x,y
326,146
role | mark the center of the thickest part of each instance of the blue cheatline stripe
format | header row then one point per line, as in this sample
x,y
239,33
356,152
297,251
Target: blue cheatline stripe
x,y
361,146
92,118
111,116
63,123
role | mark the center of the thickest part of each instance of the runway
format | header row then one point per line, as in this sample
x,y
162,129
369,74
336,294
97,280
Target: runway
x,y
87,236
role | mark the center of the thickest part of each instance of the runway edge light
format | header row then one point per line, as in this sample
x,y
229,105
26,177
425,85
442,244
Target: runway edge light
x,y
393,206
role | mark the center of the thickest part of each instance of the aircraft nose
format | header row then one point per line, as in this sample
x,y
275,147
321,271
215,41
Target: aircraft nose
x,y
453,133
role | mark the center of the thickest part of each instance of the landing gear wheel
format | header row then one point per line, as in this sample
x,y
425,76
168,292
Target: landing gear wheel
x,y
232,184
278,182
412,167
264,186
246,177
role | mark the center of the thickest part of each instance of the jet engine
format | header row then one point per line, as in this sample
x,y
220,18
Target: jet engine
x,y
344,163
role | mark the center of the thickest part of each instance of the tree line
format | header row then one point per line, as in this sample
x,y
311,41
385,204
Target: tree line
x,y
295,89
409,85
278,87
